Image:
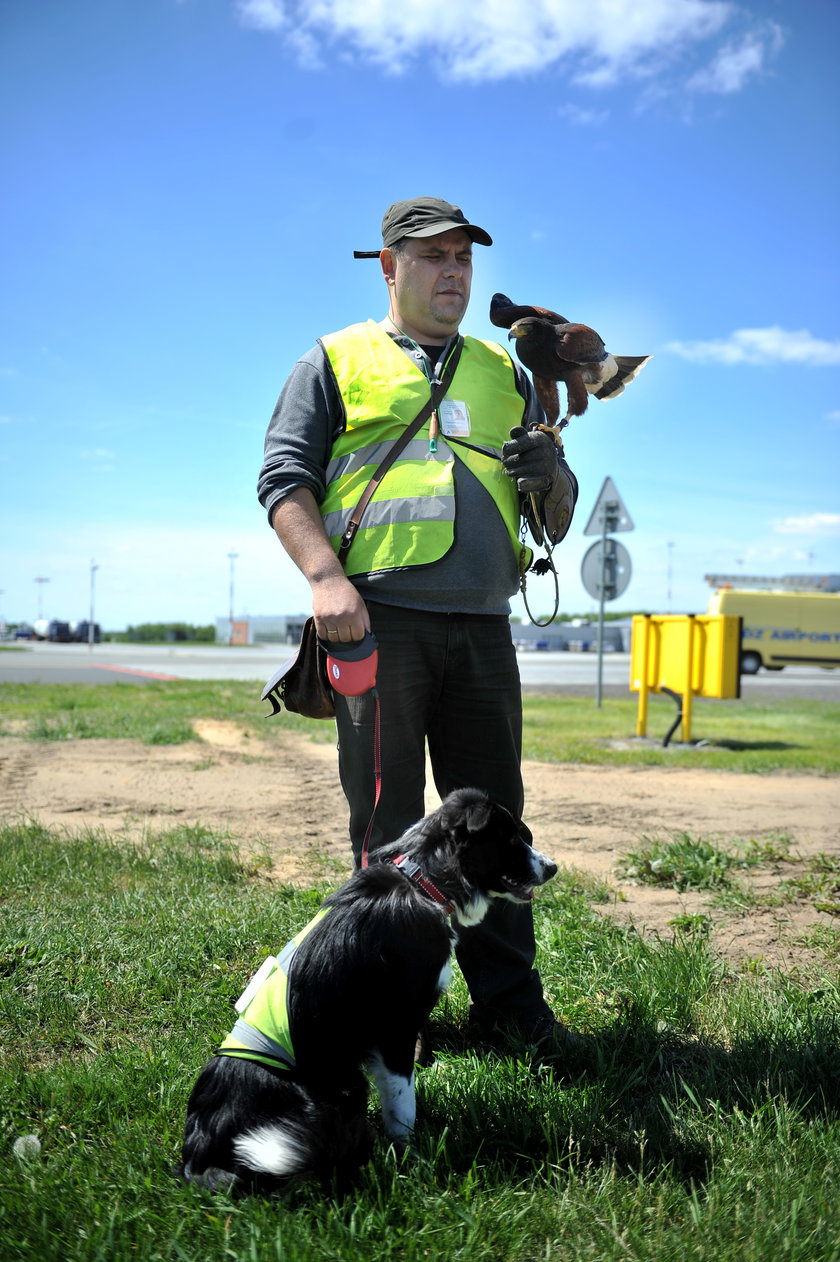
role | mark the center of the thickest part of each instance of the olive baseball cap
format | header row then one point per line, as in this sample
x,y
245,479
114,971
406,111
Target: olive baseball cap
x,y
423,217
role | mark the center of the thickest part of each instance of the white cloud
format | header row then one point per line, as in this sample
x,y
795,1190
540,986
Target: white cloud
x,y
596,44
578,116
738,61
97,453
772,345
811,524
263,15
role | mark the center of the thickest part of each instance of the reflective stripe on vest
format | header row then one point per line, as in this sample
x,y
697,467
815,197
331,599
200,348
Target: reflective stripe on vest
x,y
411,518
263,1032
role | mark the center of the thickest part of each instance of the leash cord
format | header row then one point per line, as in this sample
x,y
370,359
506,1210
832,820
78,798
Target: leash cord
x,y
377,773
540,567
548,621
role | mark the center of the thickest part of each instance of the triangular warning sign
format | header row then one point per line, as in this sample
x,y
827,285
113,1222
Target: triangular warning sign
x,y
609,514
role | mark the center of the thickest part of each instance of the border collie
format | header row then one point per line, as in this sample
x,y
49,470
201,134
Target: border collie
x,y
285,1095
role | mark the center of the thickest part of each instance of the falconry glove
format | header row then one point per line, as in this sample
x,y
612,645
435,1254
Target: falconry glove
x,y
530,458
558,503
549,489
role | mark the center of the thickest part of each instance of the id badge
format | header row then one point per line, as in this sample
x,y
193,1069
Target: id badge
x,y
454,418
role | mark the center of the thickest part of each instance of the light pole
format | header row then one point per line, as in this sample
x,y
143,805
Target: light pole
x,y
91,624
232,558
40,582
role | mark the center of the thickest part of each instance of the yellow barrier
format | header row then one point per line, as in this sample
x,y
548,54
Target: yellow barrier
x,y
684,656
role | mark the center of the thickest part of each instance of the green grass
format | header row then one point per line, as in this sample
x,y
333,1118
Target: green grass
x,y
157,713
685,862
754,736
708,1130
729,735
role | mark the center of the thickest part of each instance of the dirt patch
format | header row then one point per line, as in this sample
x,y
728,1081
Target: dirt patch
x,y
282,794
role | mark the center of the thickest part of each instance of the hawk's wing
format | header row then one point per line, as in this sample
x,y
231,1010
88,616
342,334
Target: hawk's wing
x,y
504,313
580,344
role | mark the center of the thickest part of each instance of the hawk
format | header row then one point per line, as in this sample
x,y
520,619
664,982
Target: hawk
x,y
555,350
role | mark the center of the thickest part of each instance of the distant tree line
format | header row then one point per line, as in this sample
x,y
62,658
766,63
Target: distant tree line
x,y
164,633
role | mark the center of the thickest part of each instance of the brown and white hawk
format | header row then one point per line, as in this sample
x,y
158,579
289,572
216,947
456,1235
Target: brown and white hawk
x,y
556,350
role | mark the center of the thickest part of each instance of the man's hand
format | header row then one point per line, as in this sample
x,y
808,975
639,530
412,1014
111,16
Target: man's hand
x,y
341,615
530,458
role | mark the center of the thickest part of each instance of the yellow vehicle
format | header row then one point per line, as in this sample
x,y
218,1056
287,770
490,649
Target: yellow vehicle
x,y
783,628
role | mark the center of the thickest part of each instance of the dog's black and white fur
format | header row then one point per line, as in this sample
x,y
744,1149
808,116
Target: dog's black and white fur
x,y
362,984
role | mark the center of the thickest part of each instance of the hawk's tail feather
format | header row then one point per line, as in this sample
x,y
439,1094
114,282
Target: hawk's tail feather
x,y
629,366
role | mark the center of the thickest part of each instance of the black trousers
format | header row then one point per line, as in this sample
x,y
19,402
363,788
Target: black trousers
x,y
451,680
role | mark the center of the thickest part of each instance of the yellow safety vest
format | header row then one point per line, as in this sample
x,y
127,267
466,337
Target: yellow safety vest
x,y
411,518
263,1032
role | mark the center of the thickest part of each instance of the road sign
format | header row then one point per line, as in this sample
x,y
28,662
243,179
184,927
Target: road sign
x,y
609,514
605,570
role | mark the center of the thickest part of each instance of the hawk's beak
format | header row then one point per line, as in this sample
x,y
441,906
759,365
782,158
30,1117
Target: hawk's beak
x,y
516,330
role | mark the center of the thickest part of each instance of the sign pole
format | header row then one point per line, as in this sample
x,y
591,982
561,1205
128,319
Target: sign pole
x,y
606,575
599,687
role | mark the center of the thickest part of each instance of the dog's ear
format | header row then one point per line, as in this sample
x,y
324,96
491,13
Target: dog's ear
x,y
478,815
504,823
465,809
474,812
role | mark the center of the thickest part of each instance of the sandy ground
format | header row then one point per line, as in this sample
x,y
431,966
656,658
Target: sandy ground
x,y
282,794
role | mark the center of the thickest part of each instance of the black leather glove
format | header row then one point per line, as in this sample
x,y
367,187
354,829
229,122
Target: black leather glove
x,y
531,458
558,504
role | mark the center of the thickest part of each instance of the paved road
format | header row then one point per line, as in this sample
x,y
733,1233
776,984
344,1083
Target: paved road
x,y
573,673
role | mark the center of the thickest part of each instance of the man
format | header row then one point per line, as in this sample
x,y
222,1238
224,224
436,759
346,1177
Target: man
x,y
434,562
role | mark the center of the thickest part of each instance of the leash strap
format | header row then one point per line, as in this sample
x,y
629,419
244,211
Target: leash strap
x,y
438,392
377,772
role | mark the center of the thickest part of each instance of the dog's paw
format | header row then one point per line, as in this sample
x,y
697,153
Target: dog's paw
x,y
213,1178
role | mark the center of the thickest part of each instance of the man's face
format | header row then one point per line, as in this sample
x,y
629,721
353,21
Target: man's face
x,y
431,284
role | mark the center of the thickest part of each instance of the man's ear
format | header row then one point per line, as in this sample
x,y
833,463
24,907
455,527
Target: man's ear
x,y
388,264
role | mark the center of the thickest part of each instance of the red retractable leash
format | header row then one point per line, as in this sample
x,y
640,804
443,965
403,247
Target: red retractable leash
x,y
351,670
377,774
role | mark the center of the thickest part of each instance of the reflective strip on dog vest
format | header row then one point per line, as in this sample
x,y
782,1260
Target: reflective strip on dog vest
x,y
263,1032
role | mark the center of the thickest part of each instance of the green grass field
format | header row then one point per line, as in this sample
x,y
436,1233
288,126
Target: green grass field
x,y
728,735
707,1130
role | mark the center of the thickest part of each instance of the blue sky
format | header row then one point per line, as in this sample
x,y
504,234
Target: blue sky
x,y
185,182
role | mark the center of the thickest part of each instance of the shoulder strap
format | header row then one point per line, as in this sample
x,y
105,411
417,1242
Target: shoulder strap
x,y
439,390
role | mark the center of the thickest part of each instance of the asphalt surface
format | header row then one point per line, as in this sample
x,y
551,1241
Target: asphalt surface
x,y
572,673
